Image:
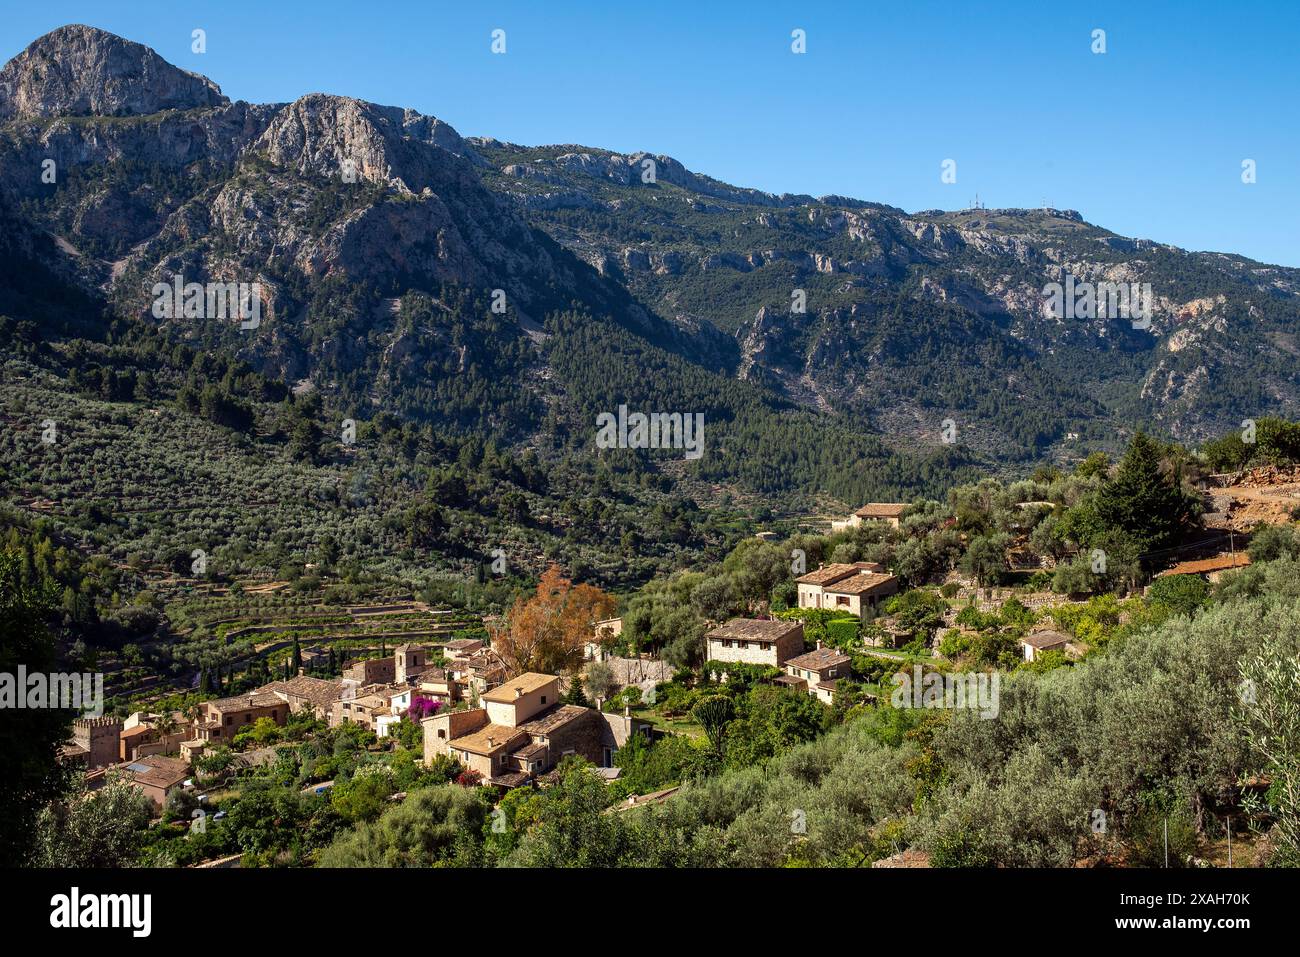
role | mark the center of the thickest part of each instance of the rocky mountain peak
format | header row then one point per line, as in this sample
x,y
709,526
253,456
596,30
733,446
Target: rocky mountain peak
x,y
319,133
78,70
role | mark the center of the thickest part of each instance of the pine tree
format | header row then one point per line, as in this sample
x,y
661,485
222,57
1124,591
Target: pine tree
x,y
1143,501
575,694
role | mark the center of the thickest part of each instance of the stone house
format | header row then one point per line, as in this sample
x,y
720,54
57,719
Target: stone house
x,y
1035,643
372,706
522,731
477,672
603,633
437,684
305,693
158,776
857,588
817,672
755,641
889,512
143,740
220,720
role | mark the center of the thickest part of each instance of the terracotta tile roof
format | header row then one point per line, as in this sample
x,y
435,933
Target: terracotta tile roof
x,y
790,680
754,629
555,719
818,660
828,574
861,584
243,702
511,779
519,685
1042,640
530,752
463,644
485,661
881,510
490,739
1216,564
318,692
159,771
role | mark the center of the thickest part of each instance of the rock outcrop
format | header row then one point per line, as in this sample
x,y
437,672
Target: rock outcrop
x,y
78,71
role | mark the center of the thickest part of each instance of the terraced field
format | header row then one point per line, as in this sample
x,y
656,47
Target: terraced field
x,y
245,636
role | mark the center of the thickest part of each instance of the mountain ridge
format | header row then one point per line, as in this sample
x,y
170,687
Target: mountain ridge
x,y
910,320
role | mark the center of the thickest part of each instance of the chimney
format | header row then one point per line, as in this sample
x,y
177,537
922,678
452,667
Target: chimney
x,y
492,742
819,644
302,672
519,693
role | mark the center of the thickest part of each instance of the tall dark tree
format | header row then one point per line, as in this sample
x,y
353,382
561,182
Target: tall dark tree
x,y
1145,499
29,737
575,694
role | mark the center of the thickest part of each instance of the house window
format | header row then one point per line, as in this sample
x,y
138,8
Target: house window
x,y
841,600
543,699
442,733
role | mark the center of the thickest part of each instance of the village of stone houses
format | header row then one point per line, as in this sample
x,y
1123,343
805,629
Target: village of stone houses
x,y
404,732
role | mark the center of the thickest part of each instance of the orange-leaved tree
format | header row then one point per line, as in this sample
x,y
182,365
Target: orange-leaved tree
x,y
547,631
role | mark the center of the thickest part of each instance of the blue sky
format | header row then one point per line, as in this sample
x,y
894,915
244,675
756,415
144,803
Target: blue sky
x,y
1147,139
